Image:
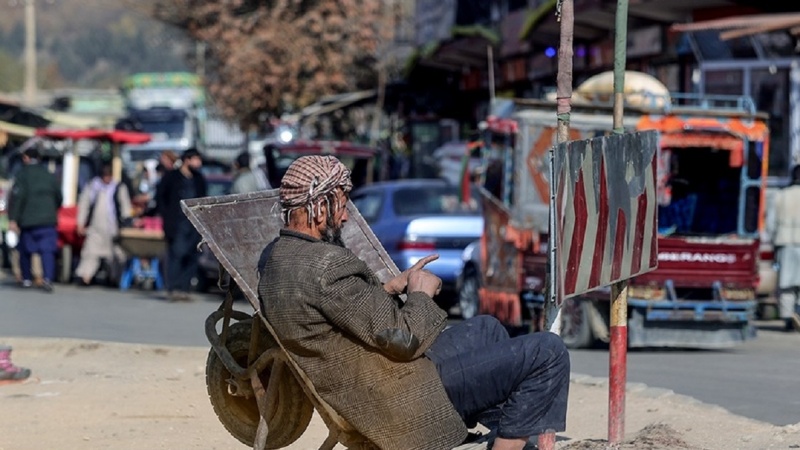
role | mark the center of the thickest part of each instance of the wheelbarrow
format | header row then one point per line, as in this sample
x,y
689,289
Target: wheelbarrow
x,y
144,248
261,396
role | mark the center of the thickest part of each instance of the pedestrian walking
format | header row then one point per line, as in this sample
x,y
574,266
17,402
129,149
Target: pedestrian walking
x,y
247,179
179,184
104,207
786,240
33,214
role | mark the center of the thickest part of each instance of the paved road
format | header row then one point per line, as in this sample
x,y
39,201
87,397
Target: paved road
x,y
757,380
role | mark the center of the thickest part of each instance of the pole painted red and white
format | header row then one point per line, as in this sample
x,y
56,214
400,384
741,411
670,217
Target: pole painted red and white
x,y
618,347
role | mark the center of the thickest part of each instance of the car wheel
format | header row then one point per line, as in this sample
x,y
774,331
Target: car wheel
x,y
468,298
575,328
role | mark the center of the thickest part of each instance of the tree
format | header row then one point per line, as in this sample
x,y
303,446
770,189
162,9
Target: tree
x,y
274,56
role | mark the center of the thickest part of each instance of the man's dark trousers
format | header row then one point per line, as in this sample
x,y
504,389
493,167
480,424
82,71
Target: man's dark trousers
x,y
182,259
517,386
44,241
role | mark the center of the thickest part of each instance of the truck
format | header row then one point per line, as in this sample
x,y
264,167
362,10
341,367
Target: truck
x,y
170,106
711,182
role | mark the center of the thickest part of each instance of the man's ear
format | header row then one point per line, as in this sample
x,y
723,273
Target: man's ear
x,y
321,213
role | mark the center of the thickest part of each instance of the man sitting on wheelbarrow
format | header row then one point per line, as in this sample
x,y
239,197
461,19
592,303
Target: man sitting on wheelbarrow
x,y
390,368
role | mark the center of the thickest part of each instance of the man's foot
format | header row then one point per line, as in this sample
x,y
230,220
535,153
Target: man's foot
x,y
47,286
179,296
25,284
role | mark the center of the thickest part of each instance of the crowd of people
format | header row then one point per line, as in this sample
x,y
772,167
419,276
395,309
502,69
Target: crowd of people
x,y
104,207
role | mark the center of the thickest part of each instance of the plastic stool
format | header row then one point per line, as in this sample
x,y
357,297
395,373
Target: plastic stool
x,y
136,271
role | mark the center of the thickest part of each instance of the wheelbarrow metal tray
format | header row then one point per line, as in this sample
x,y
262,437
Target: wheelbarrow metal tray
x,y
139,243
238,227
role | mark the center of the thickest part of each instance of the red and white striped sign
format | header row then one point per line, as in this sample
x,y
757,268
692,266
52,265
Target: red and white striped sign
x,y
606,210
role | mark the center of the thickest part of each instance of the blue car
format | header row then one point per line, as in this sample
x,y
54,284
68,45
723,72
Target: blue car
x,y
417,217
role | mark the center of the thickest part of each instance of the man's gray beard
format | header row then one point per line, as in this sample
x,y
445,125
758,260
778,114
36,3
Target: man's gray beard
x,y
333,232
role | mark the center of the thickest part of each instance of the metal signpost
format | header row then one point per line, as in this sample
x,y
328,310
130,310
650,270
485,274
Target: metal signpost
x,y
618,347
603,212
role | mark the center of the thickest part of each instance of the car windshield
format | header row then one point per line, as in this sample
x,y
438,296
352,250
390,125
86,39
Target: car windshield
x,y
219,187
143,155
429,200
279,161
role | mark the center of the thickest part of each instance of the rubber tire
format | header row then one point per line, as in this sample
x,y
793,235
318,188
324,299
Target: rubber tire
x,y
767,311
468,299
576,331
240,415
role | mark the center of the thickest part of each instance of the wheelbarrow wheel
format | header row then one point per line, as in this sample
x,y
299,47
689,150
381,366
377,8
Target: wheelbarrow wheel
x,y
239,415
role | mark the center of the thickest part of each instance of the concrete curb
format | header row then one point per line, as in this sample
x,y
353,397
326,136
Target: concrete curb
x,y
646,391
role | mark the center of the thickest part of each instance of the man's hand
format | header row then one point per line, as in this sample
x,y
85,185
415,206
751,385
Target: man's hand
x,y
13,227
397,285
81,230
424,281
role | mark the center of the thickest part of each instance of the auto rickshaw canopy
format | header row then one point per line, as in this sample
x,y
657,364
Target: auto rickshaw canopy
x,y
113,136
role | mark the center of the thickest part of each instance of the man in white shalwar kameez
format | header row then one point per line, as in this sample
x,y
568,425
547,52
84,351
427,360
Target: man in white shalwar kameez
x,y
786,240
103,205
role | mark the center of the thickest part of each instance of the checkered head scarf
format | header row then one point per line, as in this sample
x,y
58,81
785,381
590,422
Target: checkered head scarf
x,y
309,181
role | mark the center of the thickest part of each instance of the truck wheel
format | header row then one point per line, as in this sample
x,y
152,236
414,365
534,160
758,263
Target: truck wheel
x,y
240,415
468,299
575,328
767,311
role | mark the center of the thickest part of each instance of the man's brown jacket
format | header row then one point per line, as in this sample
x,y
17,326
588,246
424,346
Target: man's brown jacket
x,y
362,351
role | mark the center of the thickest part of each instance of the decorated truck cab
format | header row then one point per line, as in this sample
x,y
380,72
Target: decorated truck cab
x,y
711,178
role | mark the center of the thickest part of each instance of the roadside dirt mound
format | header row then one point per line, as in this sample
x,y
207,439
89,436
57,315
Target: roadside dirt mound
x,y
656,436
91,395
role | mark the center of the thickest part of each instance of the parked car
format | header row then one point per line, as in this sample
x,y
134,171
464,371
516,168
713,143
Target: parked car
x,y
468,280
417,217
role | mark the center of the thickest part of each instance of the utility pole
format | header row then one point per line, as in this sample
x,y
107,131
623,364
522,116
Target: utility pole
x,y
200,56
30,52
618,347
565,12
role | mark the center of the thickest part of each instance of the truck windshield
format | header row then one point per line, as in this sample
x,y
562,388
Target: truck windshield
x,y
170,130
162,123
705,192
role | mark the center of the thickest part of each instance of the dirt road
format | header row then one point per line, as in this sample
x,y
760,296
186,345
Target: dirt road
x,y
97,395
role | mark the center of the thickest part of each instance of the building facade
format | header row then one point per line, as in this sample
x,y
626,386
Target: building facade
x,y
474,50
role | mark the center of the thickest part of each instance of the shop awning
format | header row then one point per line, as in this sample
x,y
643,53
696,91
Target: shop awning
x,y
14,129
67,120
740,26
336,102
